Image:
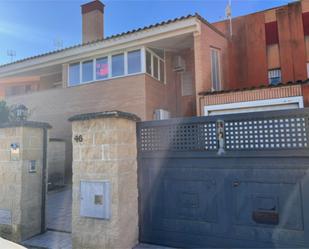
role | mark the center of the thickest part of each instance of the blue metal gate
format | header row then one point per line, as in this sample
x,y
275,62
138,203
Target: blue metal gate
x,y
254,193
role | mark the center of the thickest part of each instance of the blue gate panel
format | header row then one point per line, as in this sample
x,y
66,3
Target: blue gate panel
x,y
253,195
225,204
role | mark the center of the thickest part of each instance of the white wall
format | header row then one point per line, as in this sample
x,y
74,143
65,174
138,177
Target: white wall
x,y
255,106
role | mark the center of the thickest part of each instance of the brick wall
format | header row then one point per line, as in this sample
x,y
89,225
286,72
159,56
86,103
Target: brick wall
x,y
203,41
305,91
249,55
169,96
55,106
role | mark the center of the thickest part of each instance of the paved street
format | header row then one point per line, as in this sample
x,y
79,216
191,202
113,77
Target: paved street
x,y
50,240
59,210
147,246
59,216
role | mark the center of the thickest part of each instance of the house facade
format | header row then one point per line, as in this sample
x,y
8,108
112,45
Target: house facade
x,y
181,67
149,71
268,62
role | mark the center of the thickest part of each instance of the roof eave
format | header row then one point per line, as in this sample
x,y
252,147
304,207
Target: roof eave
x,y
182,26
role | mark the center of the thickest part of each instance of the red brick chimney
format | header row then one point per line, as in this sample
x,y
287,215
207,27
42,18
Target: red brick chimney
x,y
93,21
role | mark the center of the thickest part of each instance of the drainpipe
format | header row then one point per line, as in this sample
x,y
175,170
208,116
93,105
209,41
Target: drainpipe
x,y
44,182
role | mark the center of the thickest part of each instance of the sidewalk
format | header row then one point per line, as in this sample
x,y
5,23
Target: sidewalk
x,y
59,210
59,217
50,240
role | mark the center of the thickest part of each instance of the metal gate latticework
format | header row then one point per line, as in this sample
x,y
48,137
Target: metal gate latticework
x,y
283,130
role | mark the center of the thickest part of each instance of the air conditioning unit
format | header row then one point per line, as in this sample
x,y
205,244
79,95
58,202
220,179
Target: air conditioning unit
x,y
160,114
179,64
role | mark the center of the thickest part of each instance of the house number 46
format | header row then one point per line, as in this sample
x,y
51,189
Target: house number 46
x,y
78,138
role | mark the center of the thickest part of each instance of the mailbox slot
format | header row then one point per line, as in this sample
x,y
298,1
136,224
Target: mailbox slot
x,y
266,210
266,217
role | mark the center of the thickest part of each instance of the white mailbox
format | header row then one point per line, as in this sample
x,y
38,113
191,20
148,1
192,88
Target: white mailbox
x,y
95,199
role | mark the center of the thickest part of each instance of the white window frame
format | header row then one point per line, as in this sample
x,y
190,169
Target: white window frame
x,y
95,67
208,109
109,59
271,70
219,68
153,67
81,82
68,73
143,54
127,61
124,61
159,69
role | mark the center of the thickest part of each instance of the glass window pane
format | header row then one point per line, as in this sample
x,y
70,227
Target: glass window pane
x,y
274,76
148,63
134,62
155,67
117,65
87,71
158,52
101,68
274,81
74,76
162,72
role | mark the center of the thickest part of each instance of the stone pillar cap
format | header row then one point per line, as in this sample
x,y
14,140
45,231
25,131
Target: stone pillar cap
x,y
31,124
106,114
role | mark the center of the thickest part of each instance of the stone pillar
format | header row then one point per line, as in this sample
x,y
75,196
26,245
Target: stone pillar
x,y
105,154
22,195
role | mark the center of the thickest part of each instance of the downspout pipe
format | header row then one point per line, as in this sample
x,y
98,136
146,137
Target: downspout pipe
x,y
44,181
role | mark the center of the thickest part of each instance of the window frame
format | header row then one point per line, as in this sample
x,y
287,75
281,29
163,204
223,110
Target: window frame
x,y
127,59
109,61
148,52
124,64
153,54
68,73
81,82
95,68
274,69
219,68
155,68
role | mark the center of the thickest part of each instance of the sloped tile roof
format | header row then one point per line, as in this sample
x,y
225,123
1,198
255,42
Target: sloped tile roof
x,y
196,15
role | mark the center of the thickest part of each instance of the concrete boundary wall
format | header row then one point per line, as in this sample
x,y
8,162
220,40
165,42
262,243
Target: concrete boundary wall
x,y
23,162
105,194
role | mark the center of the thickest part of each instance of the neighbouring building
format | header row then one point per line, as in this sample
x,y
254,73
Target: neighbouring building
x,y
268,62
181,67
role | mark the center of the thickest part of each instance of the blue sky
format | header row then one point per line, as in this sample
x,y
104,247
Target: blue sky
x,y
32,27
